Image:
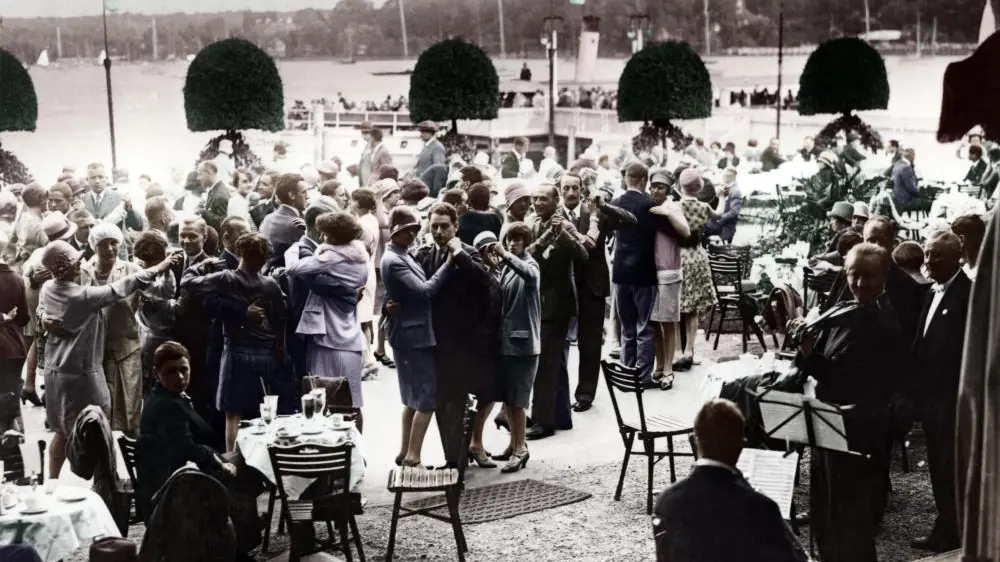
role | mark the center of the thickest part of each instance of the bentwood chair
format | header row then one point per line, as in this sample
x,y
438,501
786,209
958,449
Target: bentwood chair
x,y
331,467
624,382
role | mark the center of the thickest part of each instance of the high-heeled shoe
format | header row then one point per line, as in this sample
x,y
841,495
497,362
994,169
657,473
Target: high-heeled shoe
x,y
516,462
412,464
384,359
501,422
399,460
481,458
31,396
505,455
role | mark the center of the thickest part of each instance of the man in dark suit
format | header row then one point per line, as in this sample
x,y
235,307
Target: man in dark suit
x,y
904,179
285,226
937,354
978,168
594,222
725,226
456,311
217,200
191,327
771,158
714,515
433,153
511,167
556,249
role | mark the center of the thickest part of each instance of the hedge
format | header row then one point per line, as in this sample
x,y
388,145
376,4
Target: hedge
x,y
18,102
453,80
843,75
665,81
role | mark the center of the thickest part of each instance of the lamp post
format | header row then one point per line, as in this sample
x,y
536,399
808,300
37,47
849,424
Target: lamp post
x,y
107,78
638,26
781,57
503,38
551,41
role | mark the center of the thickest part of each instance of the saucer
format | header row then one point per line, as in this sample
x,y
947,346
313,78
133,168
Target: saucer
x,y
71,495
36,511
312,430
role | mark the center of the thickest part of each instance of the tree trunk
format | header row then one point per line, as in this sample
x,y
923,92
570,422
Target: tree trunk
x,y
454,124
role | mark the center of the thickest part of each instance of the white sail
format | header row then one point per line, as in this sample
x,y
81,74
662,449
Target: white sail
x,y
988,25
101,57
43,59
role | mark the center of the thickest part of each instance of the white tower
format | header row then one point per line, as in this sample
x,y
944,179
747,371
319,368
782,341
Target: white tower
x,y
988,24
590,41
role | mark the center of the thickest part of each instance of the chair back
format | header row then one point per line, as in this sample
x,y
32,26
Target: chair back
x,y
742,253
624,381
727,271
13,463
309,460
191,521
127,446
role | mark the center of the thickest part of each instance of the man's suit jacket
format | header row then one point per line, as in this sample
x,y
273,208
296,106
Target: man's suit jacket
x,y
412,326
282,228
460,303
938,352
905,294
713,515
593,274
730,214
216,206
977,171
109,202
904,182
511,167
432,155
262,210
380,158
556,256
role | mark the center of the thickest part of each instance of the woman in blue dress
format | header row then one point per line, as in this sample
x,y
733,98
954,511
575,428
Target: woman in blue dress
x,y
252,353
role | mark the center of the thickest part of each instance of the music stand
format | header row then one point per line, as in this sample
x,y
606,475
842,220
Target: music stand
x,y
800,419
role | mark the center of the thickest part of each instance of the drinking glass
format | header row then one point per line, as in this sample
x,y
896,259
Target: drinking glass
x,y
266,413
308,406
319,395
272,403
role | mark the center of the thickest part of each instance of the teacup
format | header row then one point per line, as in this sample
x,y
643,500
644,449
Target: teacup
x,y
50,485
32,502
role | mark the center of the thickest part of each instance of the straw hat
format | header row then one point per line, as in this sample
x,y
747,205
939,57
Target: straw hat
x,y
57,227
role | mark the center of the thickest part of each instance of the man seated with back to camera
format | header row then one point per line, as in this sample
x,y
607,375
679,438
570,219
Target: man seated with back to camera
x,y
853,353
713,514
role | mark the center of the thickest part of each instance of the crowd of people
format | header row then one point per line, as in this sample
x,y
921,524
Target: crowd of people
x,y
466,279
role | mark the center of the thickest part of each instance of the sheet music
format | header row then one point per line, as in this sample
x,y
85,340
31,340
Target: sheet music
x,y
772,474
784,418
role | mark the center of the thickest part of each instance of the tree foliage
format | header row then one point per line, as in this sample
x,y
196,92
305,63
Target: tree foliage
x,y
18,102
662,82
841,76
454,80
233,85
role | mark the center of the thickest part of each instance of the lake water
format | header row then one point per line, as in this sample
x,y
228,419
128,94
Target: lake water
x,y
152,134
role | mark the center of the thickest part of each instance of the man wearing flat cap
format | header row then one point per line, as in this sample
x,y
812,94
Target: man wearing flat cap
x,y
433,152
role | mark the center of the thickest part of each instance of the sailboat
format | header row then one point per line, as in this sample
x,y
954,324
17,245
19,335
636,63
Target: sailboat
x,y
43,59
101,57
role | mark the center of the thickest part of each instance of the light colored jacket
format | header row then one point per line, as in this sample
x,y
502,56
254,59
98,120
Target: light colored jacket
x,y
333,323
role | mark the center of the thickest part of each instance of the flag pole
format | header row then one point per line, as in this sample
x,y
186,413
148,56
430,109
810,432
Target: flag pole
x,y
107,77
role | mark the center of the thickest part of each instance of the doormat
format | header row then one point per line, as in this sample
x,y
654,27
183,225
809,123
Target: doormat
x,y
506,500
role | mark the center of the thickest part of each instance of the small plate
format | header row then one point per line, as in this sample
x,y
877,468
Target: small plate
x,y
38,510
258,431
312,430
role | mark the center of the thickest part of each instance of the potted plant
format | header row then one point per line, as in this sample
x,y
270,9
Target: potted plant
x,y
18,112
232,85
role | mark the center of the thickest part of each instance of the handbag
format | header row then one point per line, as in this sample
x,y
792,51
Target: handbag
x,y
114,549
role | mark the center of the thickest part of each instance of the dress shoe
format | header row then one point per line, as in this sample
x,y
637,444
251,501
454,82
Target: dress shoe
x,y
582,405
539,432
933,544
684,364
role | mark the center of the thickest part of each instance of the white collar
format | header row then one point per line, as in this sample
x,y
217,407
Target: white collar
x,y
943,287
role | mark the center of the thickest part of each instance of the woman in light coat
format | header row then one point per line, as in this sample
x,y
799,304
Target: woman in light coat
x,y
334,340
122,360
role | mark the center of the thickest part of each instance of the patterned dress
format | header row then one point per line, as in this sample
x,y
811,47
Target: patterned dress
x,y
697,293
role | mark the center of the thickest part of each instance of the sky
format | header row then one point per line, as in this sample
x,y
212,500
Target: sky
x,y
70,8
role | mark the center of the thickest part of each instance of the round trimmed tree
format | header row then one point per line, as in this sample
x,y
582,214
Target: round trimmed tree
x,y
841,77
18,112
453,80
232,85
661,83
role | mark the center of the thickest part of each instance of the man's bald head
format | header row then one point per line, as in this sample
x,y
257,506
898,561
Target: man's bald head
x,y
881,231
719,431
942,255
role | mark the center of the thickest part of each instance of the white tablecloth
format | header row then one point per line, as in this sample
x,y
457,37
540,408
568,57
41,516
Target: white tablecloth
x,y
62,529
721,373
254,449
